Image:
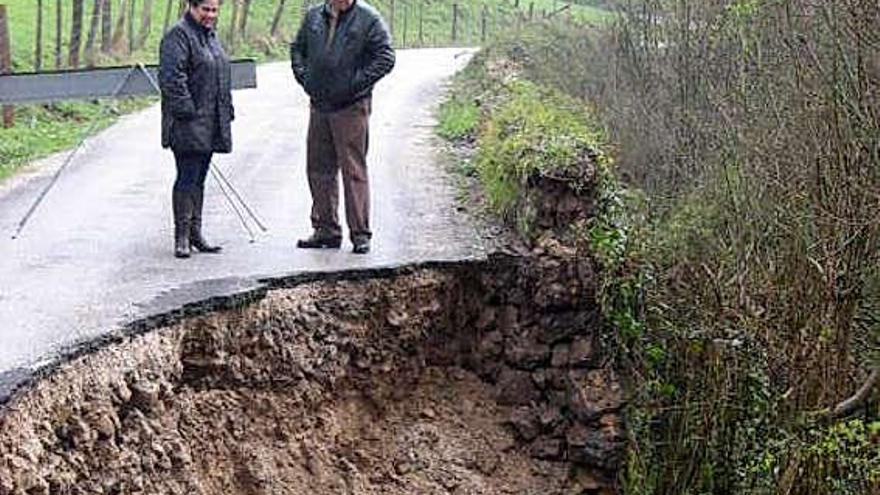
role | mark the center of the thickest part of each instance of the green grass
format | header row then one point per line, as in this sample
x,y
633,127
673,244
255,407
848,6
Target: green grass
x,y
501,17
458,118
41,130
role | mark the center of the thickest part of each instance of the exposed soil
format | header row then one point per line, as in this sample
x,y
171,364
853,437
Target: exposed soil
x,y
478,378
445,435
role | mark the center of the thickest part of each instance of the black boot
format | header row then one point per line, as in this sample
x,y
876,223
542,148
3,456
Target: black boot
x,y
181,204
195,232
320,240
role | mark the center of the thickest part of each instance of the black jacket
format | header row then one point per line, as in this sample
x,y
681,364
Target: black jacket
x,y
195,79
345,72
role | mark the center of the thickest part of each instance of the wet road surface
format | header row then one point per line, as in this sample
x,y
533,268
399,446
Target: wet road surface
x,y
98,252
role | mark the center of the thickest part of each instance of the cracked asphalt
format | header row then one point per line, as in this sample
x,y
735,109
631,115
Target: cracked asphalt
x,y
97,254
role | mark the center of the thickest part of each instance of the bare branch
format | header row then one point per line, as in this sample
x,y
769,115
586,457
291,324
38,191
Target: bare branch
x,y
849,405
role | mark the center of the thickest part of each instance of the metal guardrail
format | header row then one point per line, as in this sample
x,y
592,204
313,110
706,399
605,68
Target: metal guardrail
x,y
47,87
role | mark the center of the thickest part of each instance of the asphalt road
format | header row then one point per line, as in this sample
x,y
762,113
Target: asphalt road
x,y
98,252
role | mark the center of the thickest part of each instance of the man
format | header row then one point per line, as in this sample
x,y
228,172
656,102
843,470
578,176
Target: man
x,y
342,50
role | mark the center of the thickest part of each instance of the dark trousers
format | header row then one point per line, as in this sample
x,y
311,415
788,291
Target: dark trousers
x,y
338,141
192,169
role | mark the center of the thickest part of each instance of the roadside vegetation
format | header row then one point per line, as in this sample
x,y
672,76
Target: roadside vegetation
x,y
737,226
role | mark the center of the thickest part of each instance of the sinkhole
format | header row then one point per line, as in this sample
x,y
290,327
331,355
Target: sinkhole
x,y
479,377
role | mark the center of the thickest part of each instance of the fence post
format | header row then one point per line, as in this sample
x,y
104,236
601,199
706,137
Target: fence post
x,y
6,63
405,23
58,27
454,22
38,47
421,24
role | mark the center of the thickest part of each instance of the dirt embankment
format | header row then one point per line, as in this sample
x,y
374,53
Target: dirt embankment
x,y
467,378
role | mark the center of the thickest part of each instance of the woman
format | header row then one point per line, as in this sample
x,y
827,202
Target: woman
x,y
195,77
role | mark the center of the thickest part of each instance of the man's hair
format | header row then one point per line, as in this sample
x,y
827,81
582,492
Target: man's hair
x,y
196,3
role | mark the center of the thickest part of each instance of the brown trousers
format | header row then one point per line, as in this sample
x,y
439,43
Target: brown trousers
x,y
339,141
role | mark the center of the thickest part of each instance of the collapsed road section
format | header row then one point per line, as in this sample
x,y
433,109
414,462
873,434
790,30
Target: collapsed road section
x,y
468,377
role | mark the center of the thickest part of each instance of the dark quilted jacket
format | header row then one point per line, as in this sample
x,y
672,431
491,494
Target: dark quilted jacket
x,y
334,77
195,79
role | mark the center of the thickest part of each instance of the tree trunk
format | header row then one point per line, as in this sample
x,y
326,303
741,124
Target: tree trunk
x,y
106,26
146,23
93,33
168,8
58,28
131,33
38,48
76,33
119,29
232,25
245,9
276,19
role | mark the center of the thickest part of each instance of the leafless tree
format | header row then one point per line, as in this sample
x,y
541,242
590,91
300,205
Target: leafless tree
x,y
106,26
146,23
276,19
93,32
76,33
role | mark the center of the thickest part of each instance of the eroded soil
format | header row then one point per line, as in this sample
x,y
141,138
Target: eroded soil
x,y
480,378
444,435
